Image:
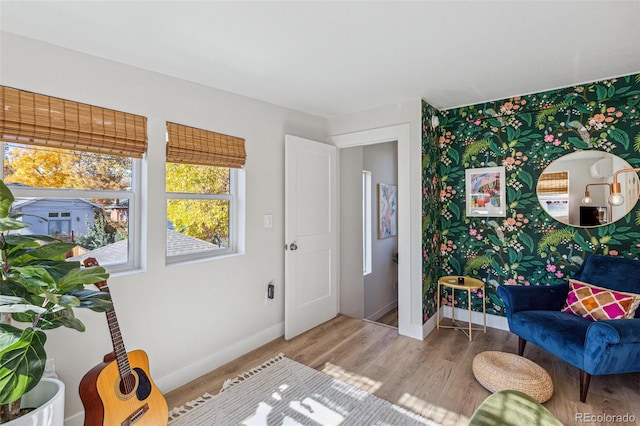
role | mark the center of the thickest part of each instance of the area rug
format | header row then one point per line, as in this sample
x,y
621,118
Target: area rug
x,y
284,392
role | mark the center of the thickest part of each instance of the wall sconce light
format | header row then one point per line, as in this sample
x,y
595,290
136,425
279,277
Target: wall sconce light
x,y
587,198
616,198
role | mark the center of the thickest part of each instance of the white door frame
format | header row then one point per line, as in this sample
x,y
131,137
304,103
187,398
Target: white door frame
x,y
409,261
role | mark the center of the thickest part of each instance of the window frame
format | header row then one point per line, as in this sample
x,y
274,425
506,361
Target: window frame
x,y
133,195
367,224
232,198
59,218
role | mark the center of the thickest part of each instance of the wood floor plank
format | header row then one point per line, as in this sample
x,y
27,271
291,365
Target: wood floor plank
x,y
432,377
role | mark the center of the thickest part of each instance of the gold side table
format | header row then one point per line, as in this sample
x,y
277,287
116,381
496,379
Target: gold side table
x,y
456,282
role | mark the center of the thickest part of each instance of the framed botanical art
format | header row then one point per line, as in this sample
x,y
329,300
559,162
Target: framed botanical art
x,y
485,192
387,210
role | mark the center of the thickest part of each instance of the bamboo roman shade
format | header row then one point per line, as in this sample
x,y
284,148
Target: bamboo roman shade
x,y
34,119
196,146
553,183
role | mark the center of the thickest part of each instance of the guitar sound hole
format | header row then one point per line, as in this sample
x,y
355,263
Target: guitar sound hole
x,y
127,384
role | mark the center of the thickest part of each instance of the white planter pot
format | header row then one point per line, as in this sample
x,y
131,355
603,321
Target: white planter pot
x,y
48,396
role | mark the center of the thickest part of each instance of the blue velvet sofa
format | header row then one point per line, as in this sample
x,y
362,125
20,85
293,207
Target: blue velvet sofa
x,y
594,347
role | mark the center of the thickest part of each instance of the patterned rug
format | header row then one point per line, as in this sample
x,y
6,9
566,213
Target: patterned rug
x,y
284,392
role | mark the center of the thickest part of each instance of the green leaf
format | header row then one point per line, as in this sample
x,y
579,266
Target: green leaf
x,y
526,117
53,251
455,265
34,240
454,209
525,177
495,240
82,277
9,335
61,318
10,224
455,156
578,142
66,300
499,270
11,304
6,199
22,363
601,92
527,241
98,301
578,238
620,136
474,149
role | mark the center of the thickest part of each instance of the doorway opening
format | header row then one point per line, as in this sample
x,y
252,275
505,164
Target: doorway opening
x,y
410,317
369,214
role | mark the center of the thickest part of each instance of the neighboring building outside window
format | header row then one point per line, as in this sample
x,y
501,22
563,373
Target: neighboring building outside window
x,y
68,195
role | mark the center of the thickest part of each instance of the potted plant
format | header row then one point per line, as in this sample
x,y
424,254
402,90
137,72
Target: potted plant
x,y
38,288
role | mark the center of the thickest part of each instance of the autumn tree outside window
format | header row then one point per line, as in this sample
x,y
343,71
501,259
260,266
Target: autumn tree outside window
x,y
202,170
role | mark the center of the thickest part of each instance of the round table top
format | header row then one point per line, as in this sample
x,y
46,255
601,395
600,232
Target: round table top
x,y
452,281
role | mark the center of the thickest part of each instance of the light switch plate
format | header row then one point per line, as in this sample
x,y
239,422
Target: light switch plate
x,y
268,221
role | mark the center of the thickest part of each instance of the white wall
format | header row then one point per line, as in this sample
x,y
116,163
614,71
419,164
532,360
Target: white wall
x,y
189,318
380,286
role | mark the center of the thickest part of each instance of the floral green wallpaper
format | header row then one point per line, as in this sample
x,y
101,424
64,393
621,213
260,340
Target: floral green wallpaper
x,y
524,134
432,205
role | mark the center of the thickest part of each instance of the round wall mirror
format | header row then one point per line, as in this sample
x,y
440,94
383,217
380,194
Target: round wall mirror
x,y
575,189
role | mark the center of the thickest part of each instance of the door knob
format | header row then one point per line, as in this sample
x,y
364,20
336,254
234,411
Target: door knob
x,y
293,246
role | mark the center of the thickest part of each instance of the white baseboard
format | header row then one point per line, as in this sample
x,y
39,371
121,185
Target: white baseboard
x,y
493,321
382,311
191,372
429,326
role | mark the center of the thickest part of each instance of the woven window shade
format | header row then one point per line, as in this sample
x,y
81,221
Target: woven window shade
x,y
553,183
33,119
196,146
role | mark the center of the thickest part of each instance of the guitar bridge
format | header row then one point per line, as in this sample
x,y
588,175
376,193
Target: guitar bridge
x,y
136,415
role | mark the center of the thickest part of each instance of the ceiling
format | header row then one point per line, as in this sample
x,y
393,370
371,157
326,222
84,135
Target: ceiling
x,y
334,58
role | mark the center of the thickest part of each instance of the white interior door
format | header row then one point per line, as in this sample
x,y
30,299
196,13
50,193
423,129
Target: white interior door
x,y
311,296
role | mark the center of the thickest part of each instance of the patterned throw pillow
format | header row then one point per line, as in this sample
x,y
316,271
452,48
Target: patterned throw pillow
x,y
597,303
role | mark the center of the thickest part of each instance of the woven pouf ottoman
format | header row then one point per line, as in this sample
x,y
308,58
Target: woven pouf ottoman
x,y
498,371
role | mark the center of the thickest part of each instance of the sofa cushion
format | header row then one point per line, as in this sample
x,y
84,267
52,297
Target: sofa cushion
x,y
597,303
557,332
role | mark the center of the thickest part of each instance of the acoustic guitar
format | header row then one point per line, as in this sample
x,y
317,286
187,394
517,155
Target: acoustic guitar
x,y
119,391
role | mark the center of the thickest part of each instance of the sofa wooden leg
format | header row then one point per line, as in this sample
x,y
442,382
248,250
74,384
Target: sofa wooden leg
x,y
585,378
521,344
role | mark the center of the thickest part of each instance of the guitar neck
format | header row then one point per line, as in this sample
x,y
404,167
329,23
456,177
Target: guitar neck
x,y
118,344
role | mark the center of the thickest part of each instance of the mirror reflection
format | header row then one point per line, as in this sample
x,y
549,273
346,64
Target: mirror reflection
x,y
576,188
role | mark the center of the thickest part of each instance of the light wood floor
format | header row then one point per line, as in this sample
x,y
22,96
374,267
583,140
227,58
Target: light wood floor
x,y
390,318
432,377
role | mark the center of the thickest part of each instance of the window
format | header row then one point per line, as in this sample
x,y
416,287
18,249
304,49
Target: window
x,y
72,170
59,224
366,222
202,174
